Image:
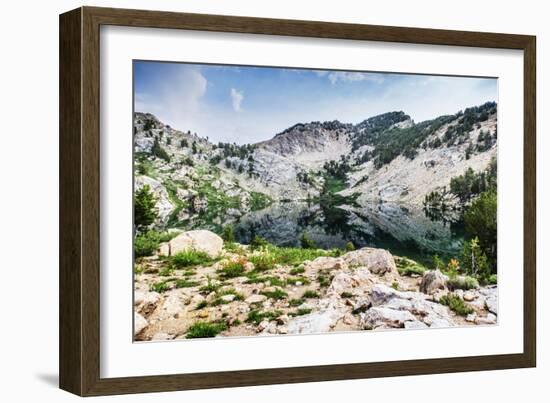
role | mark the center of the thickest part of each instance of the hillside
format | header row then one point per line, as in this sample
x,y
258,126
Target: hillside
x,y
386,158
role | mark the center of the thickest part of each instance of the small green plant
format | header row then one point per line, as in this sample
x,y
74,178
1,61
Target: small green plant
x,y
456,304
205,329
346,295
146,244
324,281
462,282
395,285
184,283
262,262
350,247
306,242
296,302
189,258
232,269
236,322
166,272
160,287
227,234
210,286
201,305
276,294
295,280
302,311
492,279
256,316
310,294
258,242
253,278
297,270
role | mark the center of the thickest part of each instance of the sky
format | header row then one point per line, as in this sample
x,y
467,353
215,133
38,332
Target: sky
x,y
245,104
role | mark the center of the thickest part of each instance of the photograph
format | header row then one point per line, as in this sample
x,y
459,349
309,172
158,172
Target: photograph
x,y
272,201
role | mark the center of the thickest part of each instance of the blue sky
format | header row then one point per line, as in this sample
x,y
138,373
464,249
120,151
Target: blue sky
x,y
249,104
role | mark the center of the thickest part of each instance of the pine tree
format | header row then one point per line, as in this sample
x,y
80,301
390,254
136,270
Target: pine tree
x,y
145,211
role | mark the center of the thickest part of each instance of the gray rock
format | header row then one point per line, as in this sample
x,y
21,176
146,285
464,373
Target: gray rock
x,y
433,281
378,261
380,317
139,323
198,240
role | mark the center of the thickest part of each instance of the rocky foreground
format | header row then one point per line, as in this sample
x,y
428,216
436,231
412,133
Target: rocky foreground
x,y
237,290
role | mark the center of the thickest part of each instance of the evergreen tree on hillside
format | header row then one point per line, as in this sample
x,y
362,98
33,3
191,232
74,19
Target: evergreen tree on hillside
x,y
145,211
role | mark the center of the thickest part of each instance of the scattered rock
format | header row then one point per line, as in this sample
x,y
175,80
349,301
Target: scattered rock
x,y
327,263
381,318
378,261
315,322
433,281
469,296
139,323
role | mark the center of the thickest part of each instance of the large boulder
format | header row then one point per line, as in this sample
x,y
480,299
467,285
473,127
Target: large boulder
x,y
139,323
378,261
383,318
432,281
317,322
343,281
198,240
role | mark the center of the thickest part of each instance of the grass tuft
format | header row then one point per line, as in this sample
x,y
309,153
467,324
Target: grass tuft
x,y
205,329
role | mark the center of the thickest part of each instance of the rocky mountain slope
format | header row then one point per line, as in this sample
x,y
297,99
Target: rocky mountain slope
x,y
386,158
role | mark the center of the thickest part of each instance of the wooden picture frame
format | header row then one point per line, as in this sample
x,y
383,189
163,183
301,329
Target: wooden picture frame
x,y
79,346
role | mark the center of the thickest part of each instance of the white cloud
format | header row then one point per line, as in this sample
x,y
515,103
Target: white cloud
x,y
236,99
176,97
347,76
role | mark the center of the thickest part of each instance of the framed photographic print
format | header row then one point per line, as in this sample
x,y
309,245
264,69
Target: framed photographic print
x,y
265,201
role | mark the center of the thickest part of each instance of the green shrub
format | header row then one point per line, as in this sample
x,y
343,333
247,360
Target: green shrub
x,y
166,272
310,294
350,247
205,329
201,305
296,302
253,278
189,258
297,270
210,286
492,279
256,316
306,242
160,287
232,270
227,234
159,152
302,311
324,281
407,267
262,262
258,242
462,282
146,244
294,280
184,283
276,294
456,304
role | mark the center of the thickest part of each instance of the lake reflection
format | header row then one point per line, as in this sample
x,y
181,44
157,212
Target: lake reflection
x,y
404,230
